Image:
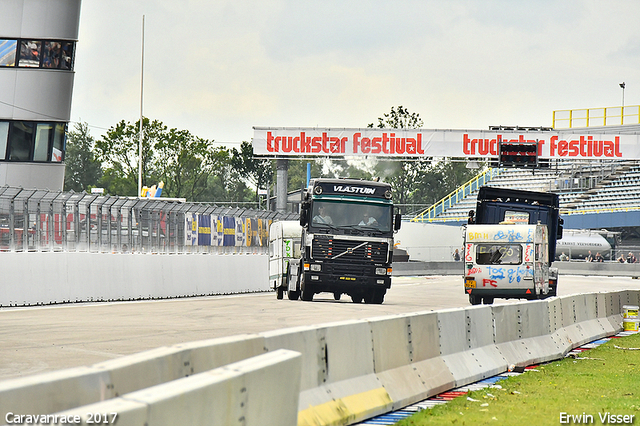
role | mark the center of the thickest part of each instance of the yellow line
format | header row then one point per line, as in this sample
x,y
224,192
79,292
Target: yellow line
x,y
346,410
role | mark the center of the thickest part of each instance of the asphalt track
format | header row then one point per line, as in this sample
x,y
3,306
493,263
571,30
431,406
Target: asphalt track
x,y
41,339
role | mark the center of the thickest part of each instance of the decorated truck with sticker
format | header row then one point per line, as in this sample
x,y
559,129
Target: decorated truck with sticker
x,y
510,244
345,245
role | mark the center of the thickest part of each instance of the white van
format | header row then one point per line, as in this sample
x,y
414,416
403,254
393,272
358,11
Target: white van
x,y
284,244
507,261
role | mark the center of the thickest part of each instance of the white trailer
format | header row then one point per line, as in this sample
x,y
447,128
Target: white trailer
x,y
285,238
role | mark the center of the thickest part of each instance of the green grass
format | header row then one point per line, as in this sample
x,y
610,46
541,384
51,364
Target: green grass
x,y
606,380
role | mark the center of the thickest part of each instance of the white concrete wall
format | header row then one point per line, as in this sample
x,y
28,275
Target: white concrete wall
x,y
346,372
429,242
46,278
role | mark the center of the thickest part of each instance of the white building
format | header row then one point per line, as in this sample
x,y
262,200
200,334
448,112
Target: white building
x,y
37,52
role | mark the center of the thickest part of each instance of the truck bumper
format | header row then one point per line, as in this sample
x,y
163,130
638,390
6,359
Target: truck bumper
x,y
511,293
344,283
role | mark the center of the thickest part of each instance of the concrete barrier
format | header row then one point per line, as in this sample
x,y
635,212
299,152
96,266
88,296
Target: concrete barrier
x,y
250,392
65,389
80,277
450,267
349,371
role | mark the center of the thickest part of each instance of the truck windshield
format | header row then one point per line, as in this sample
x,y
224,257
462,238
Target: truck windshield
x,y
498,254
352,215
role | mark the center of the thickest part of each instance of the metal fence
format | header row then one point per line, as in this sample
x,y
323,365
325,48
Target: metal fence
x,y
43,220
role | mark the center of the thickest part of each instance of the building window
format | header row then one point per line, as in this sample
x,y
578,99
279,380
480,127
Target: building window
x,y
58,143
20,141
30,54
4,135
8,53
31,141
43,135
50,54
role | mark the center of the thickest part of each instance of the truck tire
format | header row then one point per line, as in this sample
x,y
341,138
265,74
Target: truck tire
x,y
375,296
307,293
356,298
293,295
487,300
474,300
337,295
280,293
378,296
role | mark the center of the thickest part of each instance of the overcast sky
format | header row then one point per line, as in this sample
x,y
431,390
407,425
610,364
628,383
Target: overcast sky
x,y
217,68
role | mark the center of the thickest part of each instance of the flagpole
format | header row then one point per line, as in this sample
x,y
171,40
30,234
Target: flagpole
x,y
141,103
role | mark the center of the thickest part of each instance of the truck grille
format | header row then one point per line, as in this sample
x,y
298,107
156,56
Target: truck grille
x,y
346,251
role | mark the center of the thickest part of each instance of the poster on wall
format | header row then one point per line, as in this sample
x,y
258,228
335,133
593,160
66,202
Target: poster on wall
x,y
240,231
229,229
191,229
218,230
204,230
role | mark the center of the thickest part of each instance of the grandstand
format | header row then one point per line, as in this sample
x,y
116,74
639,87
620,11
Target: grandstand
x,y
593,195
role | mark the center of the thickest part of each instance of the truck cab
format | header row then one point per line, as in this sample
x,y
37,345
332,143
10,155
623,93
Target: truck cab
x,y
510,244
346,242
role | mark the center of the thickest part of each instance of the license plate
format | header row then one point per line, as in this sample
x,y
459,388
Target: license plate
x,y
470,283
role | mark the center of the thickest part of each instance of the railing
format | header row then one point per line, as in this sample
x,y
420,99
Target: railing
x,y
594,210
596,117
431,214
42,220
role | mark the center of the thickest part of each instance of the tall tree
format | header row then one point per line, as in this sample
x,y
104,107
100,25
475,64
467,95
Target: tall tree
x,y
401,174
82,170
118,152
257,171
184,163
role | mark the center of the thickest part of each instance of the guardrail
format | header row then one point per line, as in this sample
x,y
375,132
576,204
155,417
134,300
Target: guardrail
x,y
43,220
349,371
596,117
451,199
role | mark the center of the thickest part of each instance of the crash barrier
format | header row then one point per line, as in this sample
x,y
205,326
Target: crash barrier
x,y
411,268
611,269
42,220
82,277
350,370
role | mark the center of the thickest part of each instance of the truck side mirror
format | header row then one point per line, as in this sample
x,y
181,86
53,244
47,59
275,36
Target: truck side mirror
x,y
397,221
304,213
560,228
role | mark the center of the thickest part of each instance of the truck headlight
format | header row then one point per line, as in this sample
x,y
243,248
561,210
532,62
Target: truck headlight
x,y
381,271
316,267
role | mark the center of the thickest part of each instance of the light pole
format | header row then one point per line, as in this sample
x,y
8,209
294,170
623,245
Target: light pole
x,y
622,85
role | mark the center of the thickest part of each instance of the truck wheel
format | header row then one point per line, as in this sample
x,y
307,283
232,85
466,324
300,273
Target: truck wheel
x,y
356,298
280,293
487,300
337,295
307,293
375,296
474,300
378,296
293,295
